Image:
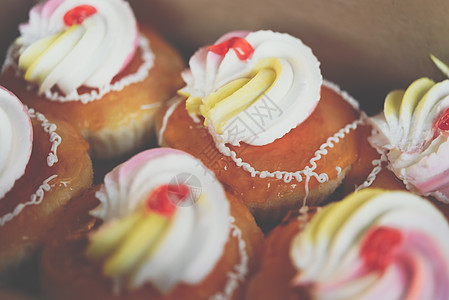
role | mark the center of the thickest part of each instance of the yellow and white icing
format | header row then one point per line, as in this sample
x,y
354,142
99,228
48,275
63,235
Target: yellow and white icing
x,y
407,132
224,88
16,140
138,247
287,176
53,53
331,258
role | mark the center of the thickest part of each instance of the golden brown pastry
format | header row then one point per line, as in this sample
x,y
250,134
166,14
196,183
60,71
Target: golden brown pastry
x,y
164,229
43,164
93,66
256,111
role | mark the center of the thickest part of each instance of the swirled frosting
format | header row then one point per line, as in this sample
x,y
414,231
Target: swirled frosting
x,y
16,140
166,221
375,244
74,43
267,82
413,131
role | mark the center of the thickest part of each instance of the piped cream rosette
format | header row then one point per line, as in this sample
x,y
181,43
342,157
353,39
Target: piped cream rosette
x,y
375,244
413,131
16,140
229,81
71,43
166,221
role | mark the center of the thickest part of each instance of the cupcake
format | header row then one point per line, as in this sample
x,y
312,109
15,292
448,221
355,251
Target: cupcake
x,y
409,141
90,64
43,164
257,112
374,244
161,228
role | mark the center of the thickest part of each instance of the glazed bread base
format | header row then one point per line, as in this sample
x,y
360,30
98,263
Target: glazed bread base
x,y
23,235
270,197
274,279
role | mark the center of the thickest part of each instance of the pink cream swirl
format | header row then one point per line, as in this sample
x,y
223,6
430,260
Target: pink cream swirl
x,y
375,244
413,132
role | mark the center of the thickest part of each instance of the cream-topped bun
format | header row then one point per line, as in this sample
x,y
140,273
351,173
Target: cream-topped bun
x,y
16,140
89,63
374,244
413,132
226,82
103,33
164,224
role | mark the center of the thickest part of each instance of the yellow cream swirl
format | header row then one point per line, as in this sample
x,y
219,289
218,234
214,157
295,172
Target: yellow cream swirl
x,y
412,134
261,96
374,243
166,221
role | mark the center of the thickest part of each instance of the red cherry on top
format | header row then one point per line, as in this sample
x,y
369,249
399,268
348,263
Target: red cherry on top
x,y
379,246
443,122
242,48
163,199
78,14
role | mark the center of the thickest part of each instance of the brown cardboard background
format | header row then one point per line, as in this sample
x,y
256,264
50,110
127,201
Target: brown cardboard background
x,y
368,47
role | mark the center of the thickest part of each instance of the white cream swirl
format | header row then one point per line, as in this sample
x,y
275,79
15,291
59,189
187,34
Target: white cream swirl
x,y
263,96
71,43
195,235
375,244
16,140
416,146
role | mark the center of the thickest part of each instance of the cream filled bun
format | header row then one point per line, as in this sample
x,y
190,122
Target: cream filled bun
x,y
255,110
409,139
374,244
43,164
412,136
89,63
165,229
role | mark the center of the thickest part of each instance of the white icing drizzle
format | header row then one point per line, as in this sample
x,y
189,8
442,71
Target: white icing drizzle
x,y
35,199
240,270
377,163
140,75
49,128
308,171
52,158
150,106
303,216
172,106
338,170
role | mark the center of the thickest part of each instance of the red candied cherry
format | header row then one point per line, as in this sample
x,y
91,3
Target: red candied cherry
x,y
163,199
379,246
443,122
78,14
242,48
